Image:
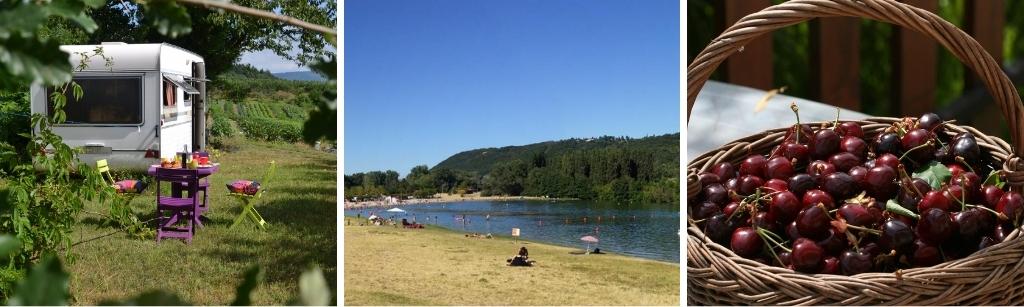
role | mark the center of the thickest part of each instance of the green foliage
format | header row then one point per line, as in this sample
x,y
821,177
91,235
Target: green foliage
x,y
269,129
313,289
243,294
221,126
45,284
323,121
507,178
247,71
168,17
934,173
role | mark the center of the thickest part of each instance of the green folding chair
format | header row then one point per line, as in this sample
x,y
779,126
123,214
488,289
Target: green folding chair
x,y
117,208
248,211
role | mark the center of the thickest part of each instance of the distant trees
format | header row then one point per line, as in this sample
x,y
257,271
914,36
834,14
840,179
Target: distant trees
x,y
421,182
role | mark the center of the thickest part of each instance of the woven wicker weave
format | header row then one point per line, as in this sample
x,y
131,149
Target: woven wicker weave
x,y
994,276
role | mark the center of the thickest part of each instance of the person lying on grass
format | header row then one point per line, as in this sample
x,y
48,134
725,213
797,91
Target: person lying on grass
x,y
522,259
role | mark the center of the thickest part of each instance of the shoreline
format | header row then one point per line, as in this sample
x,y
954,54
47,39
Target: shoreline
x,y
443,198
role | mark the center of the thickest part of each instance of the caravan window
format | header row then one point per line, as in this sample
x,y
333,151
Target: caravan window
x,y
106,101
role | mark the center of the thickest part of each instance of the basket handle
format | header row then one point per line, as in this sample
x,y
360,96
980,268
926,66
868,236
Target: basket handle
x,y
963,46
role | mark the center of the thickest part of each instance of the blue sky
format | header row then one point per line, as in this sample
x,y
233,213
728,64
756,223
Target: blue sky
x,y
427,79
268,60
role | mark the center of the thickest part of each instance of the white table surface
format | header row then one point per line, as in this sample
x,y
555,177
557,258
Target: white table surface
x,y
724,112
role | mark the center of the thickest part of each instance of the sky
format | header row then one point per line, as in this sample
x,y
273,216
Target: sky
x,y
268,60
427,79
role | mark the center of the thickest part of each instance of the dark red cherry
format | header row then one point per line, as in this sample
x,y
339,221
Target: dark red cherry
x,y
881,182
748,184
1001,231
798,152
733,184
724,170
791,231
1011,204
855,146
841,185
957,195
818,169
860,175
966,147
778,168
851,129
916,144
807,256
824,144
786,258
813,223
888,143
986,242
896,235
705,210
955,169
746,243
889,160
973,223
935,226
716,193
854,262
731,208
805,134
753,165
844,161
707,178
971,183
776,185
834,243
934,199
800,183
929,121
720,228
785,206
814,197
925,254
991,194
857,215
831,266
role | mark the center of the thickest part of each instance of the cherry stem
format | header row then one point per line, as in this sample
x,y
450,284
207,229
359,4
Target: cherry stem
x,y
836,124
796,110
964,162
767,235
929,142
864,229
999,215
909,181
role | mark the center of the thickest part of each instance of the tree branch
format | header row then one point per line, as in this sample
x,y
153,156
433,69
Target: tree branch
x,y
228,6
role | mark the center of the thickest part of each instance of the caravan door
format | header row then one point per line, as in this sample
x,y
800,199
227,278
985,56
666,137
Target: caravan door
x,y
176,115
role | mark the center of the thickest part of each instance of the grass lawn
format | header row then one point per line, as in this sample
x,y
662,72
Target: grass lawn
x,y
301,207
385,265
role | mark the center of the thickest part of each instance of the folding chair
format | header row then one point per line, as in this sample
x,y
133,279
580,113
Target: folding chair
x,y
125,196
248,211
181,209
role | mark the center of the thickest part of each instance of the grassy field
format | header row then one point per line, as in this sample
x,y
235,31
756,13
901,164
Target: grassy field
x,y
395,266
301,207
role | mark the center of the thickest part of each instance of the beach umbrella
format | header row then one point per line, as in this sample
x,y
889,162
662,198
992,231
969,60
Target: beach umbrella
x,y
589,239
396,210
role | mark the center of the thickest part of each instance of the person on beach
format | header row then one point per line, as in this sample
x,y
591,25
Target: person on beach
x,y
523,252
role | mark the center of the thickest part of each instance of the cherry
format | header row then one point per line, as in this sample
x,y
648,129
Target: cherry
x,y
841,185
925,254
778,168
753,165
824,144
831,266
716,193
719,228
934,199
1011,204
748,184
746,243
857,215
800,183
797,152
935,226
786,258
965,146
705,210
805,133
776,185
785,206
844,161
888,143
818,169
971,184
813,222
889,160
909,196
986,242
881,182
730,208
991,194
955,169
854,262
807,257
706,178
860,175
834,243
792,232
724,170
929,121
851,129
973,223
917,143
854,145
733,184
896,235
814,197
1001,231
956,195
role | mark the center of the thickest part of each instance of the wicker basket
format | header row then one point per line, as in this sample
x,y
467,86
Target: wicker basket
x,y
994,276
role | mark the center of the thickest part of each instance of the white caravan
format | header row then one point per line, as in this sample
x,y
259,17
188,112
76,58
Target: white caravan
x,y
149,104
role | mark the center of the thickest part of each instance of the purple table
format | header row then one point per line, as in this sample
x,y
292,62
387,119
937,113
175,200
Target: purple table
x,y
176,189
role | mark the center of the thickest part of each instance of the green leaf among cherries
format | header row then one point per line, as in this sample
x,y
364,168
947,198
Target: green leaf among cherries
x,y
934,173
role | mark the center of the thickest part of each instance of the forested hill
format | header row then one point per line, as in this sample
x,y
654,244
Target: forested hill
x,y
664,149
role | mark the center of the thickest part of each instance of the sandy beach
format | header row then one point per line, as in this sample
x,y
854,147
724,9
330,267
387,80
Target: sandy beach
x,y
442,198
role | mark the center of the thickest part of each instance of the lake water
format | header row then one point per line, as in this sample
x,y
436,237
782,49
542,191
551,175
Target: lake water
x,y
648,231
